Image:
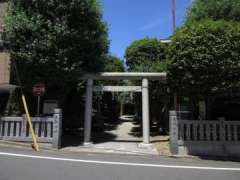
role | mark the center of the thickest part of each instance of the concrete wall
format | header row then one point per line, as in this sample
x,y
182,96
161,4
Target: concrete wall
x,y
4,57
204,137
3,9
204,148
4,68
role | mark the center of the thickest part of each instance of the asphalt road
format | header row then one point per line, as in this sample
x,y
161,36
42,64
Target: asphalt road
x,y
23,164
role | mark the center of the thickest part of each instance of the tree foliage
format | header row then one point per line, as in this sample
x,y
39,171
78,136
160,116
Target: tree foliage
x,y
205,57
56,40
214,9
146,55
149,55
113,64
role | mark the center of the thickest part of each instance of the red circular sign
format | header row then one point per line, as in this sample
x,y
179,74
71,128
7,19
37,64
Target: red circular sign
x,y
39,89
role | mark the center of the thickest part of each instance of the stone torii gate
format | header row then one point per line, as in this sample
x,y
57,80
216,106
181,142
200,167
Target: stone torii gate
x,y
145,77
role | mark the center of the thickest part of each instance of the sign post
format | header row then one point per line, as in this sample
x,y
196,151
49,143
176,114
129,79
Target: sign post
x,y
38,105
38,91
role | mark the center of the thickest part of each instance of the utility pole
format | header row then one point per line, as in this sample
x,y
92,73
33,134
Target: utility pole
x,y
173,16
176,98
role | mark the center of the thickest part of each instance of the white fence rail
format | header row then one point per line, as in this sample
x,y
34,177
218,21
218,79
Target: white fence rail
x,y
47,129
204,137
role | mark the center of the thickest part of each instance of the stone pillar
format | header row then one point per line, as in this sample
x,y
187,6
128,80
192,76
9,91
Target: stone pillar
x,y
222,129
57,128
173,132
145,111
24,126
88,112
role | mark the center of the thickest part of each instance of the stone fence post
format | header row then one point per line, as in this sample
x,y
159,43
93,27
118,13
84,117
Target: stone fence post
x,y
24,126
173,132
222,129
57,128
1,126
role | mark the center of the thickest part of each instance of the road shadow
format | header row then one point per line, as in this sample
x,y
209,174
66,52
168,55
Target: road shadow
x,y
72,140
220,158
105,131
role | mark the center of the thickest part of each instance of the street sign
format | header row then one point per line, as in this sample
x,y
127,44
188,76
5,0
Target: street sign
x,y
39,89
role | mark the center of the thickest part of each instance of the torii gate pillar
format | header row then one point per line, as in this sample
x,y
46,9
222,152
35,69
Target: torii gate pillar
x,y
145,111
88,113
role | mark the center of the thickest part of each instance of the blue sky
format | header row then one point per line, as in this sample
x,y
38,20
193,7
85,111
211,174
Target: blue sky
x,y
130,20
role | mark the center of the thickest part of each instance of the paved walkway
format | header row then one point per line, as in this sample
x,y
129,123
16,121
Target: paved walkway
x,y
124,131
125,138
119,137
125,141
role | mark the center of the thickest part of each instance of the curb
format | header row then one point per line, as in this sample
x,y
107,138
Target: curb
x,y
80,150
43,147
23,145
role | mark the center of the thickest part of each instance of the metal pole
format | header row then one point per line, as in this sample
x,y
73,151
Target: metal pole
x,y
38,105
173,15
34,138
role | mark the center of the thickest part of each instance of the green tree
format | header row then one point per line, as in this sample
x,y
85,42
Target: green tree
x,y
214,9
205,58
55,41
146,55
150,55
113,64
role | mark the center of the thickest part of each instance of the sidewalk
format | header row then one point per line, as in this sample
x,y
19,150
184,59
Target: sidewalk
x,y
78,149
124,137
159,147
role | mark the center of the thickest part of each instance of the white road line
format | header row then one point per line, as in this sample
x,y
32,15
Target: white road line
x,y
119,163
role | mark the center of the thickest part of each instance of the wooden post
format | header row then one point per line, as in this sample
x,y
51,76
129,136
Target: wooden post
x,y
57,128
173,132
